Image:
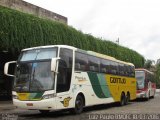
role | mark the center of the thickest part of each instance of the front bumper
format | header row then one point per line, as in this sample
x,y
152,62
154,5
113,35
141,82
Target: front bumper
x,y
46,104
141,95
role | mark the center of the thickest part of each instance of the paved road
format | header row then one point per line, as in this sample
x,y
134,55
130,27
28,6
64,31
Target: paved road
x,y
138,109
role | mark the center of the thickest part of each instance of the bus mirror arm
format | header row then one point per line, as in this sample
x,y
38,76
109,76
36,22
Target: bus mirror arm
x,y
6,66
53,64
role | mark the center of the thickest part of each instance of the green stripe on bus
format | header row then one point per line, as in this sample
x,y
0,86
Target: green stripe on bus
x,y
104,85
96,85
38,95
35,95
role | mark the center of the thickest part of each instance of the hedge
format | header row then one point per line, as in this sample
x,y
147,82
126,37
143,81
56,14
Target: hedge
x,y
20,30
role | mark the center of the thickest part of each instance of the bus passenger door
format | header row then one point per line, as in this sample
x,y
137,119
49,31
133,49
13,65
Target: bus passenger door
x,y
64,97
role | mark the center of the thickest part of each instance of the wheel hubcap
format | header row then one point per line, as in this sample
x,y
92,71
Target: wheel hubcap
x,y
78,104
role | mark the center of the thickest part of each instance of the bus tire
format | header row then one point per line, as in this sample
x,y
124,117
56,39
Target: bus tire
x,y
153,95
127,99
79,104
122,100
44,111
147,98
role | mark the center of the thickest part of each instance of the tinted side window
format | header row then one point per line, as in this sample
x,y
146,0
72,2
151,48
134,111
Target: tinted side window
x,y
121,69
104,66
114,66
67,56
126,71
132,71
93,63
81,62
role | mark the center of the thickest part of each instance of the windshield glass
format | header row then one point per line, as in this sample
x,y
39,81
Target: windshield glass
x,y
38,54
33,71
35,76
140,76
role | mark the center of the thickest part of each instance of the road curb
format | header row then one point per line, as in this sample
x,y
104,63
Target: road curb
x,y
7,108
6,105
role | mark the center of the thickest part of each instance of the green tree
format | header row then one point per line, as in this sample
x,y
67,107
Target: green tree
x,y
148,64
20,30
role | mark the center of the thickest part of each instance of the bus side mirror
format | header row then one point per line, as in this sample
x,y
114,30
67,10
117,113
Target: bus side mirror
x,y
6,66
53,64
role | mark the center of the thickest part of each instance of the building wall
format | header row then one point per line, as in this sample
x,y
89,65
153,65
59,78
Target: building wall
x,y
33,9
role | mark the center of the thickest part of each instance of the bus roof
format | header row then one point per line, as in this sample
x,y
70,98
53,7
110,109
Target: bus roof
x,y
83,51
108,57
104,56
50,46
143,69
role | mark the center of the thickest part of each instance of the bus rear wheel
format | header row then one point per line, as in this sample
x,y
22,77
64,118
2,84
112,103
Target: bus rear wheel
x,y
127,99
148,96
79,104
122,100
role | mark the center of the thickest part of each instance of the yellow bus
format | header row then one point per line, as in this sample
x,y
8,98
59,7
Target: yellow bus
x,y
64,77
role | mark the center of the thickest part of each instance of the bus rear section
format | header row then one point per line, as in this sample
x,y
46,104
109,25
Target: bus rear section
x,y
145,84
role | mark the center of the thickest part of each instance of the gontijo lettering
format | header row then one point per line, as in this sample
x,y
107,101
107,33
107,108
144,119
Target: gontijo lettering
x,y
117,80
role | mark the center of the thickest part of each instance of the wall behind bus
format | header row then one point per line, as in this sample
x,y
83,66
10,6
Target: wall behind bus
x,y
33,9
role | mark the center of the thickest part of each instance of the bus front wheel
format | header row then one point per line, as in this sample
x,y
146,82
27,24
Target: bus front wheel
x,y
79,104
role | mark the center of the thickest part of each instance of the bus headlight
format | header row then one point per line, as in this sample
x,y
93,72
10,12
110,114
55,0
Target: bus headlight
x,y
14,96
48,96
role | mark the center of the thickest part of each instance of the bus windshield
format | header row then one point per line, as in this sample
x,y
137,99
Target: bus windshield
x,y
140,76
33,71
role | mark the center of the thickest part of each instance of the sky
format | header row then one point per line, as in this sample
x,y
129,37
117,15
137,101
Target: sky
x,y
135,22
